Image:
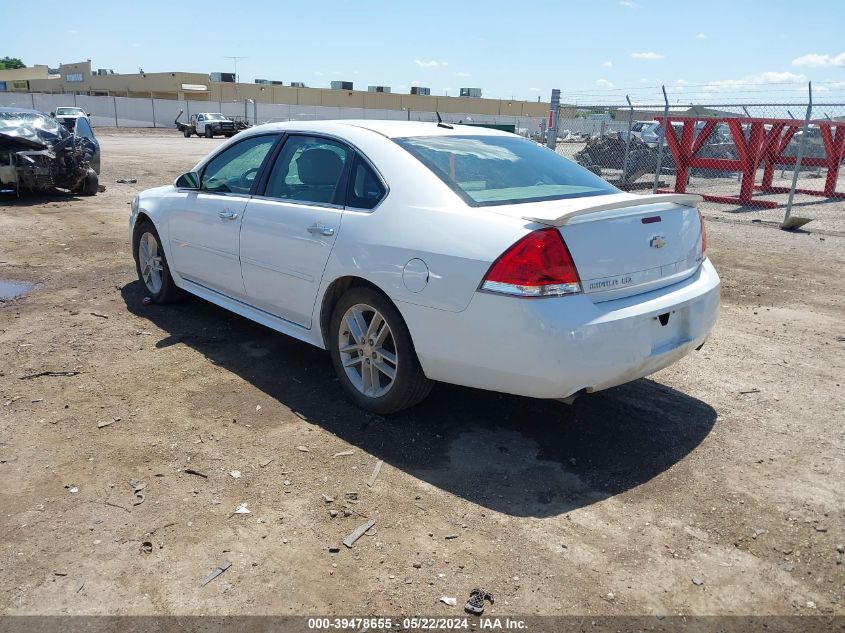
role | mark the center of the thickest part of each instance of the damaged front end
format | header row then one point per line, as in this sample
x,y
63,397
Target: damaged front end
x,y
38,155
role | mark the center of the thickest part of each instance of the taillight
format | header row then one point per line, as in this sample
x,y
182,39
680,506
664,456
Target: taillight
x,y
538,265
703,234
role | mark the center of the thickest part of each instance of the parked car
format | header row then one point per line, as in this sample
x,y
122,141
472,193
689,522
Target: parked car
x,y
207,124
68,116
416,252
39,154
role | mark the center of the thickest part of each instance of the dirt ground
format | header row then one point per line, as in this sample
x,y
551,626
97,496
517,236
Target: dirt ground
x,y
712,487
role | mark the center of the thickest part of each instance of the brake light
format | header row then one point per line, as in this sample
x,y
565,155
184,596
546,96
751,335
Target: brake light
x,y
703,234
538,265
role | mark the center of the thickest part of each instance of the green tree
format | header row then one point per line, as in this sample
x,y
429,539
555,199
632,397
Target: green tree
x,y
11,62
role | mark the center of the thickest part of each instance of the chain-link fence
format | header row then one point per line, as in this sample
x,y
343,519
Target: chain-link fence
x,y
738,157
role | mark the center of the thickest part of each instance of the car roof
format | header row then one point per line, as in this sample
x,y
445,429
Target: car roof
x,y
389,129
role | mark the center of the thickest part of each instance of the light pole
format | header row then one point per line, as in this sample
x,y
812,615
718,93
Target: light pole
x,y
235,59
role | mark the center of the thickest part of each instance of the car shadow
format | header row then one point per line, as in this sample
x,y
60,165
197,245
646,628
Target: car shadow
x,y
518,456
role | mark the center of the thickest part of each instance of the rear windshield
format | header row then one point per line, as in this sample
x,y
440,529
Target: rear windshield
x,y
492,170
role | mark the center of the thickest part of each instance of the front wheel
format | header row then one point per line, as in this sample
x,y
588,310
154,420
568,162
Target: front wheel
x,y
187,133
209,133
151,265
373,354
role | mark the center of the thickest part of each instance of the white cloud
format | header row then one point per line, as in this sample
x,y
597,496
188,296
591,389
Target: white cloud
x,y
462,74
535,90
604,83
650,55
318,73
628,3
682,82
429,63
607,64
814,60
701,36
756,81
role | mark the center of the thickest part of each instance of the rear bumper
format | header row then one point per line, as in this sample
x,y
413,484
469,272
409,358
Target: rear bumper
x,y
555,347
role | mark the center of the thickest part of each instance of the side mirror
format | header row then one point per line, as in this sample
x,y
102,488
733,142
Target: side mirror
x,y
53,114
88,114
188,181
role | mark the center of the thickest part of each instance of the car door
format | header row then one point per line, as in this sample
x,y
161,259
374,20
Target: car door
x,y
289,231
200,124
204,224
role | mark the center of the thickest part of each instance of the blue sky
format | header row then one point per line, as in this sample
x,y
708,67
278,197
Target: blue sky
x,y
594,51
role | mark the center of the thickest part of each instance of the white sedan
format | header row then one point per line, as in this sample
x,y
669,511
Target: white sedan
x,y
418,252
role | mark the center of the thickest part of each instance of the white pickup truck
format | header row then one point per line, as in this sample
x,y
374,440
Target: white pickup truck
x,y
207,124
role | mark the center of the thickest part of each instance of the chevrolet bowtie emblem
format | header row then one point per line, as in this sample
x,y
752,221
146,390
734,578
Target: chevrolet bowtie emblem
x,y
658,241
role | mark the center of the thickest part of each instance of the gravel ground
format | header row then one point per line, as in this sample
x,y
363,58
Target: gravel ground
x,y
712,487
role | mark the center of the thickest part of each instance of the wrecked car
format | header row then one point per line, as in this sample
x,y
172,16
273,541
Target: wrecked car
x,y
38,154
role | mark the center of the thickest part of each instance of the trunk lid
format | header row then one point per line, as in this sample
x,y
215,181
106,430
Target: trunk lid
x,y
624,244
643,249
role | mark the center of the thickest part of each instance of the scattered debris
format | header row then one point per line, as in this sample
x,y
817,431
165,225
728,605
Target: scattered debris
x,y
303,449
100,314
450,601
219,570
236,474
105,423
840,549
475,604
351,494
697,581
191,471
759,532
127,181
265,462
417,565
258,407
72,488
333,513
327,498
747,391
137,487
242,509
116,505
358,532
376,470
333,549
146,547
49,373
344,453
449,537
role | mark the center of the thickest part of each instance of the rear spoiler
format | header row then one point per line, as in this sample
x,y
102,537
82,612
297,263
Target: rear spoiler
x,y
561,212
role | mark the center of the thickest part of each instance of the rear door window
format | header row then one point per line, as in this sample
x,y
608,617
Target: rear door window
x,y
308,169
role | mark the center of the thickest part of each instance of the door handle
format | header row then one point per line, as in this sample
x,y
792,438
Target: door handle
x,y
319,229
227,215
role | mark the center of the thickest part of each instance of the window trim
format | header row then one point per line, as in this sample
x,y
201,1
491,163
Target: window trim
x,y
259,174
342,183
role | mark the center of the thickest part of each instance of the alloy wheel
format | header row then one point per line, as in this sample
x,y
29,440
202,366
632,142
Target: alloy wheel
x,y
368,350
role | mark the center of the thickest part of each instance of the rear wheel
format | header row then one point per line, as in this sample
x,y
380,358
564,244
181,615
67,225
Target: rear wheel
x,y
187,133
373,354
151,265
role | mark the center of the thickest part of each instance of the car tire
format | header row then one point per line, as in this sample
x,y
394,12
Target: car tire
x,y
364,364
151,265
209,133
90,185
187,133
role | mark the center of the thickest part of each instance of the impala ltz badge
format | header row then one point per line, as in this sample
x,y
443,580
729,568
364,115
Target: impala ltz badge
x,y
658,241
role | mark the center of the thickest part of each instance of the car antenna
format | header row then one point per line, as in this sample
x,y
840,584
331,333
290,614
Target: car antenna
x,y
440,122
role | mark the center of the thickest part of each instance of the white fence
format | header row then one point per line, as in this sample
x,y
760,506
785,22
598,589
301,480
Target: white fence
x,y
135,112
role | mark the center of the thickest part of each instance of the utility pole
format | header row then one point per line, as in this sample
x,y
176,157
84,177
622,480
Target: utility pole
x,y
235,59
